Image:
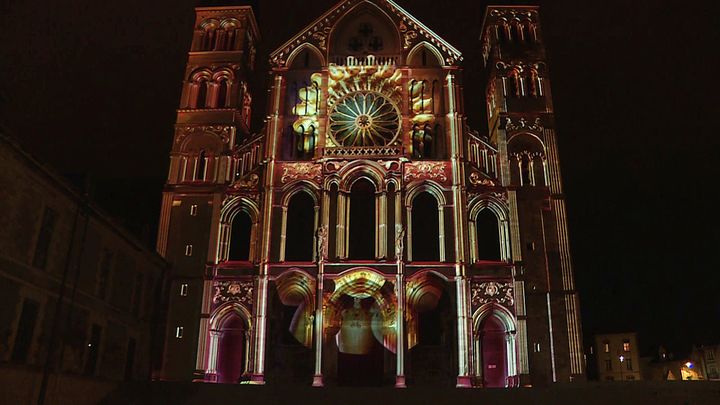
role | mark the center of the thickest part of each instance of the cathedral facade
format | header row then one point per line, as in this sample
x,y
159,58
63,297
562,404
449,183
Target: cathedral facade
x,y
366,235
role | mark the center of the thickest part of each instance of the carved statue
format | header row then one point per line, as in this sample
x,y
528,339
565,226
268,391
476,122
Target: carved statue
x,y
399,241
322,245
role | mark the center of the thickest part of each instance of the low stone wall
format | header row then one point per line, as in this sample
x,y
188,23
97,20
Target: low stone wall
x,y
21,385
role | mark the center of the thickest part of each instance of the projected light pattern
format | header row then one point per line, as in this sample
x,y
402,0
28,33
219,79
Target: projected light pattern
x,y
365,119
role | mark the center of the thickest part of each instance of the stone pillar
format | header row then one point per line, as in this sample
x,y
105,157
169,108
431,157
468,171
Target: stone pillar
x,y
400,326
319,329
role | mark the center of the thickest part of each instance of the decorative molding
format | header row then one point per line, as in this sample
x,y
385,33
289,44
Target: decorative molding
x,y
301,171
248,182
477,180
224,132
363,151
492,292
233,291
523,124
425,170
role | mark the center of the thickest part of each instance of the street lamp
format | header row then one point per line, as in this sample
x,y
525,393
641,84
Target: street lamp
x,y
622,359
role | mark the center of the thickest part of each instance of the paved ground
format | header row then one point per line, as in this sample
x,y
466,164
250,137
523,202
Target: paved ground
x,y
655,393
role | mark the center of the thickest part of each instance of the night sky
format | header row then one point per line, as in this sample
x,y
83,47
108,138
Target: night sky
x,y
91,88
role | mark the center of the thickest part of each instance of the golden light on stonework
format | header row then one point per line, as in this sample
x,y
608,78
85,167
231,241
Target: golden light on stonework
x,y
365,119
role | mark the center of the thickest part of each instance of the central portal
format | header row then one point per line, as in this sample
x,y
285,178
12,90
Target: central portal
x,y
360,327
360,355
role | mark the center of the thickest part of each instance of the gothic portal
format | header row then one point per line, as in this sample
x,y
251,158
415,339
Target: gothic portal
x,y
366,235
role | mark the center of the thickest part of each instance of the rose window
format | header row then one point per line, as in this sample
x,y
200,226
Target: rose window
x,y
364,119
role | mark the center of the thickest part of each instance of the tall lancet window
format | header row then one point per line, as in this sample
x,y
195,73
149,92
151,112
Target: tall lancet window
x,y
362,220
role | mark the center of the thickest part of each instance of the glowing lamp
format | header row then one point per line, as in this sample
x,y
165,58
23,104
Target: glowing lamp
x,y
689,364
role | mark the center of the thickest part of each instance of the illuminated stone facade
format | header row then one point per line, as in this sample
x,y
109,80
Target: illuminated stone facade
x,y
366,235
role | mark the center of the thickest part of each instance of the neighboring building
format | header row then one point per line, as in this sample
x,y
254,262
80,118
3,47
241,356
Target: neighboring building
x,y
54,244
617,357
366,235
706,360
669,367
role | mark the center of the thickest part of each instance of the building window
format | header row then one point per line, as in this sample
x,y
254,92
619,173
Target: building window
x,y
606,346
536,347
130,359
608,365
25,331
104,273
42,246
183,290
629,363
188,250
630,377
179,332
93,349
193,210
710,355
137,294
626,346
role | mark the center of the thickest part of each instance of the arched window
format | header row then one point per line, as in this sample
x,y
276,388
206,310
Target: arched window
x,y
425,228
362,221
201,93
488,236
300,228
222,93
201,166
240,237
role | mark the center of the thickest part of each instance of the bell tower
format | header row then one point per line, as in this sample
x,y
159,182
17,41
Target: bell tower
x,y
522,127
212,147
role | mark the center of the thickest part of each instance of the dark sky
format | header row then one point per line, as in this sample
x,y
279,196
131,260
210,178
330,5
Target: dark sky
x,y
91,87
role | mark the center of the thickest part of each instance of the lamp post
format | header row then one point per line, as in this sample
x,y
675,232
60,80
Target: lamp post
x,y
622,359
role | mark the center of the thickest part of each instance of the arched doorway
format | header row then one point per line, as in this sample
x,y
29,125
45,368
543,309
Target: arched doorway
x,y
360,358
360,315
430,331
493,352
231,342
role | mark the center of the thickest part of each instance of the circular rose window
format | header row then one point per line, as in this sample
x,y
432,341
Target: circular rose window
x,y
364,119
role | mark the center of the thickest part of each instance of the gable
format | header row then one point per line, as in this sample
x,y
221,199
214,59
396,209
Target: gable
x,y
366,34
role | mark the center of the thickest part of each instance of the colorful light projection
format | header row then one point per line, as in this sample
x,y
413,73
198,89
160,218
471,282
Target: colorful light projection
x,y
297,289
363,100
306,126
423,294
423,115
361,308
365,119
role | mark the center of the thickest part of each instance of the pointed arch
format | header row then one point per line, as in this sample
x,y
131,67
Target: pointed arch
x,y
312,50
415,56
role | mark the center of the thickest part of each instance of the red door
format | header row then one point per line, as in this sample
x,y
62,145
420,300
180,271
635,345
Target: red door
x,y
231,351
494,356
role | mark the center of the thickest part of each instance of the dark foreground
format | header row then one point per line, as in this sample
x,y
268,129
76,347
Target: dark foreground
x,y
690,393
